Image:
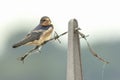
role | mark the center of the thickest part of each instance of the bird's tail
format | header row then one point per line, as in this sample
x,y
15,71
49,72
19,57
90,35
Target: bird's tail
x,y
19,44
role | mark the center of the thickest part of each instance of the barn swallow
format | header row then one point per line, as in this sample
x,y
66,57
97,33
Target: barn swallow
x,y
38,35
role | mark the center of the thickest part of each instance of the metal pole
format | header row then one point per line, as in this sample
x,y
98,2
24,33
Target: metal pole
x,y
74,66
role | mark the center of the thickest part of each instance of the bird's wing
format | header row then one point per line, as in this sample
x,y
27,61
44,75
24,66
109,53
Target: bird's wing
x,y
34,35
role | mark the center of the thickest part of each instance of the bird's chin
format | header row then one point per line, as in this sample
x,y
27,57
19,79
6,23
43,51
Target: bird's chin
x,y
45,25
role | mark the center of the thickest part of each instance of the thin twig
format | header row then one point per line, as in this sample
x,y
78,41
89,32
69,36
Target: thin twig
x,y
55,34
56,38
22,58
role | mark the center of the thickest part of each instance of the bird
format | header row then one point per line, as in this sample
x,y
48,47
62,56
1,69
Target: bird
x,y
39,35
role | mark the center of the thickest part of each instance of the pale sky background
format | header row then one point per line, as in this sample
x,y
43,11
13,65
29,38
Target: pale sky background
x,y
98,18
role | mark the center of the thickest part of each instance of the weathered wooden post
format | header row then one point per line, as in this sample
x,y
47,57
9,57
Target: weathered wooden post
x,y
74,66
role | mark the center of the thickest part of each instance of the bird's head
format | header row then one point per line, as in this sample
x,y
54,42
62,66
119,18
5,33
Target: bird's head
x,y
45,21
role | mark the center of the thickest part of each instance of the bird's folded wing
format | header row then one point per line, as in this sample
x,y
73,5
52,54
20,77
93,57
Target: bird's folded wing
x,y
32,36
29,38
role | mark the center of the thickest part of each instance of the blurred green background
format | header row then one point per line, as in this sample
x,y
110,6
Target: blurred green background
x,y
98,18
